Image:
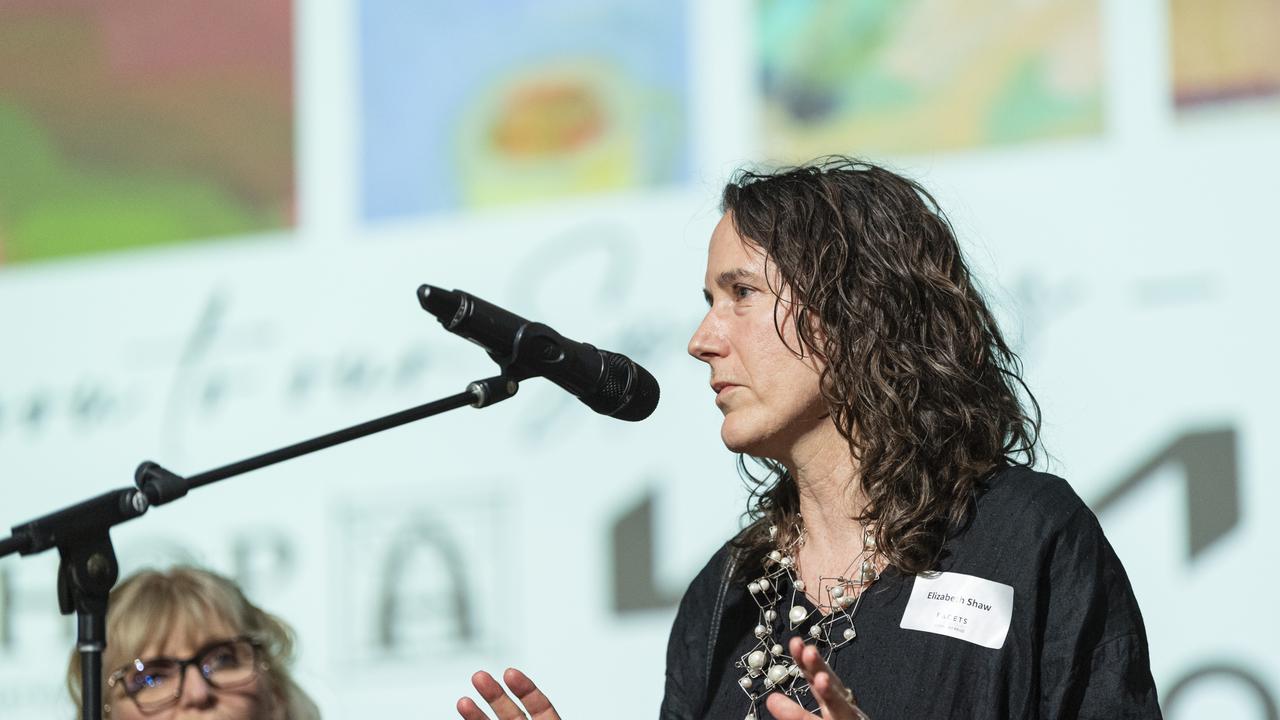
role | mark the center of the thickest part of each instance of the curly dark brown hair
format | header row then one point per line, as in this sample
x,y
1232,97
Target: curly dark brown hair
x,y
916,374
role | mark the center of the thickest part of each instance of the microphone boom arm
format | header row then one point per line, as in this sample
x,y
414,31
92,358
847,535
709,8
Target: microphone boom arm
x,y
88,569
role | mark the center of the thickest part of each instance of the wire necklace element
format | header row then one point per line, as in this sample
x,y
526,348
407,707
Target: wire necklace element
x,y
767,667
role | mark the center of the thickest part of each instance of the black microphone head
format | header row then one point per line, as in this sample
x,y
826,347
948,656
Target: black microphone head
x,y
626,390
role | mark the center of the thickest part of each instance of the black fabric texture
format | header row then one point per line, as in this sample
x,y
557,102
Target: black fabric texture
x,y
1076,646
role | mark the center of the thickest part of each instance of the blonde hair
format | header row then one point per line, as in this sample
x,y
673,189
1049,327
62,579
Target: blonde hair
x,y
150,605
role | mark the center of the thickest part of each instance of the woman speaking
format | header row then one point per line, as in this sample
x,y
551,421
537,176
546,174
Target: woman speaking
x,y
904,560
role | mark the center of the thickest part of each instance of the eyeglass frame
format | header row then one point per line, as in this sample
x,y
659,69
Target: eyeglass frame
x,y
257,667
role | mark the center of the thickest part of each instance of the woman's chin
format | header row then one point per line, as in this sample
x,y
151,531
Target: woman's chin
x,y
742,442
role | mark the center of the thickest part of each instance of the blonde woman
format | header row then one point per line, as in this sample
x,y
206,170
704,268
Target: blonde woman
x,y
186,643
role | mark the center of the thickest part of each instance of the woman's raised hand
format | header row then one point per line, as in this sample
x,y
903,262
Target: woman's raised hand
x,y
536,705
834,700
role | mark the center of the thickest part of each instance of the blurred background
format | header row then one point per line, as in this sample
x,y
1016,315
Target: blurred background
x,y
214,216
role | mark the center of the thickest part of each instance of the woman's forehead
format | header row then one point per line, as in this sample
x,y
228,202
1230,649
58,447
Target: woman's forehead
x,y
729,248
186,636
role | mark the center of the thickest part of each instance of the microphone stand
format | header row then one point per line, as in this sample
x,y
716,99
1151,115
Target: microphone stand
x,y
87,569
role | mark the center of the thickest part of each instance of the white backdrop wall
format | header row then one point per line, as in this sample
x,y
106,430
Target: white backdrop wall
x,y
1133,269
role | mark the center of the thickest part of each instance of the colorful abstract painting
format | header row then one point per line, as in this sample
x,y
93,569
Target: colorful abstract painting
x,y
1224,51
909,76
147,122
485,103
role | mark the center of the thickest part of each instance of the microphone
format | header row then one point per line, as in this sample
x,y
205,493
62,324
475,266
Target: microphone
x,y
609,383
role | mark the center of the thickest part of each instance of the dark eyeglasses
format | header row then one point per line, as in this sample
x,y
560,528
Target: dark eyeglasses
x,y
156,683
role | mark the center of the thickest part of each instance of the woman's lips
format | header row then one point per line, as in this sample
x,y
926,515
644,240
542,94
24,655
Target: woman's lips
x,y
722,388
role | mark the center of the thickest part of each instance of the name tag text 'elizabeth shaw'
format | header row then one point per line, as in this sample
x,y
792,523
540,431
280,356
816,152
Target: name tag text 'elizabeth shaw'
x,y
961,606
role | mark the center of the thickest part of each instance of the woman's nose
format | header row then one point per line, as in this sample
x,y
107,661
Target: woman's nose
x,y
708,340
196,691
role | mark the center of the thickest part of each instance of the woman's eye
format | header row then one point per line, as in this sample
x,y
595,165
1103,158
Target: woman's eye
x,y
221,658
151,678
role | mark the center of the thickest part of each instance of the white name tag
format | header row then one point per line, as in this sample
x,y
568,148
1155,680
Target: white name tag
x,y
960,606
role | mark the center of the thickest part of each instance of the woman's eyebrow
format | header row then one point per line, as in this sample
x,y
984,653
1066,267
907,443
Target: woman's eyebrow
x,y
729,277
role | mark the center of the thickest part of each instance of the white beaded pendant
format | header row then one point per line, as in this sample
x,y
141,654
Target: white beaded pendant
x,y
797,615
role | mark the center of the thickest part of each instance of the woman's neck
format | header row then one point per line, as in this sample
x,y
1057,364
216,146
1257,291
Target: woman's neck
x,y
826,477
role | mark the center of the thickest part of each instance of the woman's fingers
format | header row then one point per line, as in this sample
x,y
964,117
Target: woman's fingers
x,y
811,662
784,708
468,709
808,657
502,704
530,696
835,700
535,703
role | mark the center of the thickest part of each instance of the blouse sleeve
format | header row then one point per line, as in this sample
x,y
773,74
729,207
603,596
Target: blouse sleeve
x,y
678,697
692,634
1094,658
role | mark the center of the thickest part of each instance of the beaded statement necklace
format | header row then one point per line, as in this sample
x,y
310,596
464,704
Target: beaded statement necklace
x,y
767,665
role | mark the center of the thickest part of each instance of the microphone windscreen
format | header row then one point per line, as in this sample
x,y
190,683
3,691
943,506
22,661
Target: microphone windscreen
x,y
628,391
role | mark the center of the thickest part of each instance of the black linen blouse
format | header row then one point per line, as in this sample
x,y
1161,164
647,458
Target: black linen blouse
x,y
1075,647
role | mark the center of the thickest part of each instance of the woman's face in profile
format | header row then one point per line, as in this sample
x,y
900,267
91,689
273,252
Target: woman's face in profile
x,y
205,674
770,395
